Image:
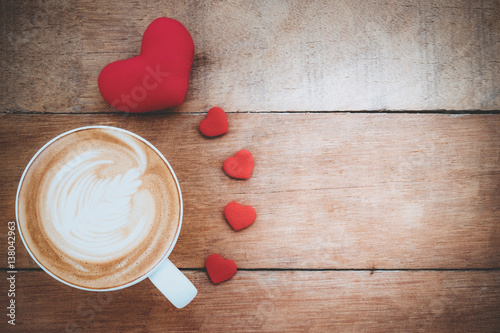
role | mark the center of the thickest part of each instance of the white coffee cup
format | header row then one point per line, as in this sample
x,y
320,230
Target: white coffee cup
x,y
164,275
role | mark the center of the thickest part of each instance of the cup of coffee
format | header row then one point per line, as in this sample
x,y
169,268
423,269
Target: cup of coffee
x,y
99,208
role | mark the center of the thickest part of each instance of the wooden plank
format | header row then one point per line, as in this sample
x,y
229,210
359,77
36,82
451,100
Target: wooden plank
x,y
264,56
330,190
271,301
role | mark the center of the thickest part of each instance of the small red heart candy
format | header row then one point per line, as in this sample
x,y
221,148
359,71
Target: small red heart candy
x,y
155,79
239,166
215,123
239,216
220,269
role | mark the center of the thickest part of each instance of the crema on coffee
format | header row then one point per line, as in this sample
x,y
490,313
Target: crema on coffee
x,y
99,208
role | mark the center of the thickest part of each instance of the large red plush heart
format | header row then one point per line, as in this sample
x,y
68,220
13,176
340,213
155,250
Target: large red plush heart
x,y
220,269
239,166
155,79
215,123
239,216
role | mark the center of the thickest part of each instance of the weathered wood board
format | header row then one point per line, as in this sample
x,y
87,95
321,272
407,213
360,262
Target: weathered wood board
x,y
262,56
270,301
330,190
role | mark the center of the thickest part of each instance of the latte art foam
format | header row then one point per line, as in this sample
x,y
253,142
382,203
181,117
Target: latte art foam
x,y
104,208
95,218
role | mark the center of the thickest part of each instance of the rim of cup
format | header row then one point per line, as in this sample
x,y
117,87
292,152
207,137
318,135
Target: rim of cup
x,y
158,263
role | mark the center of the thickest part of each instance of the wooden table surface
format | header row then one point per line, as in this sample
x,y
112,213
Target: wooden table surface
x,y
376,134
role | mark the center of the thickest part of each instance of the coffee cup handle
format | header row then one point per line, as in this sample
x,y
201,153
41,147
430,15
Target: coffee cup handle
x,y
173,284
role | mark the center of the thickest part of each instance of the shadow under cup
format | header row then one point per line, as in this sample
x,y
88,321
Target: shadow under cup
x,y
99,208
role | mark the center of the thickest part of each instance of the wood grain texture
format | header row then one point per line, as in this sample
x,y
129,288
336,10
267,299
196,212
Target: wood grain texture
x,y
330,190
264,56
365,222
270,301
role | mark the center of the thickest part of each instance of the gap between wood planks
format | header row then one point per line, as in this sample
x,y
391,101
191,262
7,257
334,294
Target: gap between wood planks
x,y
437,111
200,269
